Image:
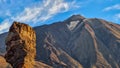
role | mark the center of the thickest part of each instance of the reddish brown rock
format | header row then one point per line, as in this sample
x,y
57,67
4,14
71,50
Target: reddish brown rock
x,y
3,63
20,46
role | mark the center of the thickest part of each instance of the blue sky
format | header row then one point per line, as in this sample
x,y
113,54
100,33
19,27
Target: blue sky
x,y
40,12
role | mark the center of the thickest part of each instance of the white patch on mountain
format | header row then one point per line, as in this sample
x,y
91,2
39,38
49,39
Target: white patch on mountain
x,y
72,24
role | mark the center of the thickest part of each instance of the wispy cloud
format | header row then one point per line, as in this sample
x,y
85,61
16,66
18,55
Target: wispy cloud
x,y
117,17
4,26
114,7
44,11
34,12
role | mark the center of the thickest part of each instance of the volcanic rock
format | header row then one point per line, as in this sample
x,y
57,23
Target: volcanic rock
x,y
20,46
78,42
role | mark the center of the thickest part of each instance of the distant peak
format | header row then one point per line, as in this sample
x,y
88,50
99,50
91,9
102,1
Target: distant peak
x,y
75,17
78,16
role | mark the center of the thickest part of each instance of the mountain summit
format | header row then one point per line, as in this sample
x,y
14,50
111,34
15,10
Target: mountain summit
x,y
75,17
77,42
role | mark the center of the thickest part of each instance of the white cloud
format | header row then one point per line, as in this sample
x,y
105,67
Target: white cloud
x,y
4,26
36,12
117,6
117,17
44,11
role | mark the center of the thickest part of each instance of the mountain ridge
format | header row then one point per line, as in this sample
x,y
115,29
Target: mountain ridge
x,y
79,42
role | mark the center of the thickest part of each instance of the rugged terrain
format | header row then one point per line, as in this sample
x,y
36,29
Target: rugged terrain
x,y
21,46
77,42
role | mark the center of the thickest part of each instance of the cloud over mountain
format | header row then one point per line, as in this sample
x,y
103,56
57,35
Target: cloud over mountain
x,y
32,12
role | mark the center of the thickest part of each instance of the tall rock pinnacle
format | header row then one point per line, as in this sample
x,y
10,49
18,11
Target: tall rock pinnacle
x,y
21,46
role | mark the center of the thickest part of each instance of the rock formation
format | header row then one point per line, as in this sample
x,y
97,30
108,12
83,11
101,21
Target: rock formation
x,y
77,42
20,46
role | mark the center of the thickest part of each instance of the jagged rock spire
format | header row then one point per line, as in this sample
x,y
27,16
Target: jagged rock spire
x,y
21,46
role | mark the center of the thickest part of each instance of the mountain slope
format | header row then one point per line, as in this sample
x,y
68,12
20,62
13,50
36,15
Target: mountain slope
x,y
78,42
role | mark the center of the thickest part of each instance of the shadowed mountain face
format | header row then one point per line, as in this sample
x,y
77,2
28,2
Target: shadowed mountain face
x,y
77,43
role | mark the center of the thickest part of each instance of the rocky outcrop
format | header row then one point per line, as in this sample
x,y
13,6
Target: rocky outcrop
x,y
20,46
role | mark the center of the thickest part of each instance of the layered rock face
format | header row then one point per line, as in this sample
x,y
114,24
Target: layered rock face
x,y
21,46
78,42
